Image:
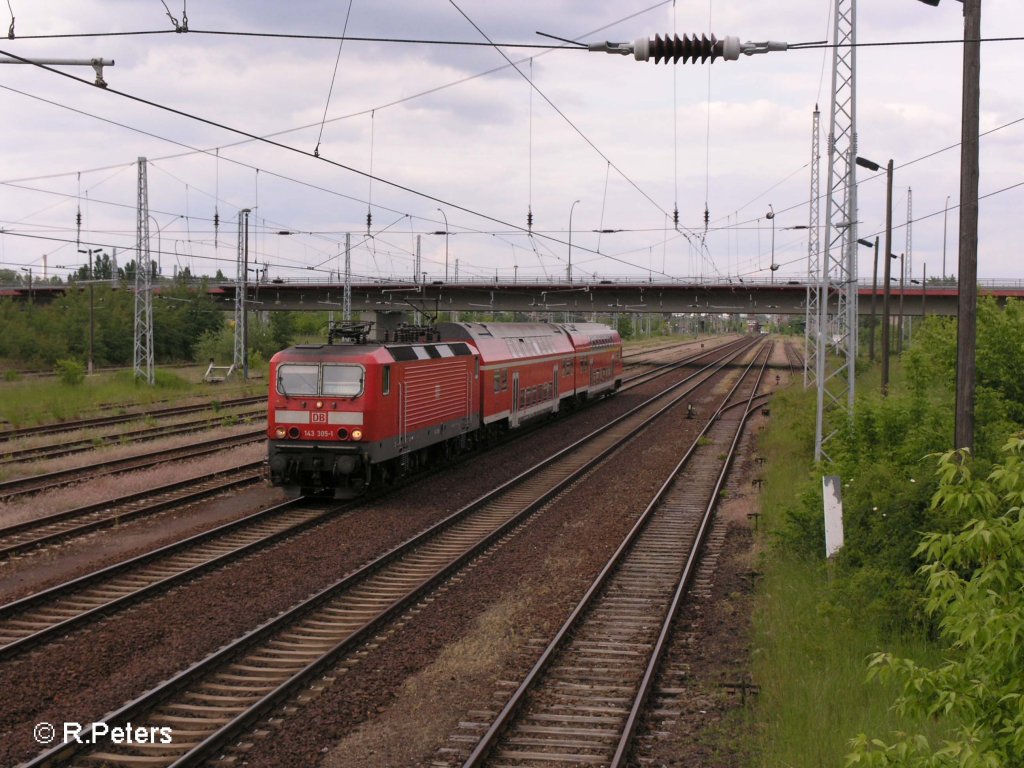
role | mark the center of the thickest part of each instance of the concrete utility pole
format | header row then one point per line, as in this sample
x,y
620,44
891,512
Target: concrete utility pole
x,y
967,280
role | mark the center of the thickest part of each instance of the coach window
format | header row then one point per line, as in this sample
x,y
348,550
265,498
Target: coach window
x,y
343,380
297,379
385,381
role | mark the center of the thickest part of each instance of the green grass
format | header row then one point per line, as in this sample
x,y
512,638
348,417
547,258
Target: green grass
x,y
811,666
29,401
809,659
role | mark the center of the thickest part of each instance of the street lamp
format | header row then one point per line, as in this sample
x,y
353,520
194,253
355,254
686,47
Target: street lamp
x,y
873,166
445,233
771,216
569,273
899,338
90,251
29,270
874,289
945,216
159,243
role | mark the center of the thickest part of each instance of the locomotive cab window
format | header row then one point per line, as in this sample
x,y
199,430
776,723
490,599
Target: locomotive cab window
x,y
343,380
297,379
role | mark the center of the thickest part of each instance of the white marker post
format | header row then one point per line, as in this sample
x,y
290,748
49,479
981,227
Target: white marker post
x,y
833,496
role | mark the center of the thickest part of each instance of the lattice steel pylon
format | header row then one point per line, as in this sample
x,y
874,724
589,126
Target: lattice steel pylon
x,y
346,305
837,327
143,330
813,246
240,360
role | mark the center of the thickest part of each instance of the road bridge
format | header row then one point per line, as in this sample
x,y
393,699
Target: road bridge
x,y
605,296
725,297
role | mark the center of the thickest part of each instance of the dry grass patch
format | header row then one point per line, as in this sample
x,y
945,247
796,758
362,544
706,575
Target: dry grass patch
x,y
431,704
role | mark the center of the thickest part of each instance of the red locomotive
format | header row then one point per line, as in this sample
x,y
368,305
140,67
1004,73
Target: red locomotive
x,y
345,416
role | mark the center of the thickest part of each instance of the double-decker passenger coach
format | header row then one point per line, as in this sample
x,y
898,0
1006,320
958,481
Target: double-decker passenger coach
x,y
352,413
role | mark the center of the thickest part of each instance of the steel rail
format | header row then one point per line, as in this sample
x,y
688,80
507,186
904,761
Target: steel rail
x,y
310,644
35,618
102,421
509,712
24,486
660,646
58,526
53,451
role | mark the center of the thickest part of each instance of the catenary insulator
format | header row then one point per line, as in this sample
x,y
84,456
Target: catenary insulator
x,y
529,220
689,48
369,221
675,217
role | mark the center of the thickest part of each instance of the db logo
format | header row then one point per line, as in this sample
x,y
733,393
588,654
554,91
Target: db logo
x,y
318,418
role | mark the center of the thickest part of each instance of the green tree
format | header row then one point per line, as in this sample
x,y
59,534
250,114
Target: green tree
x,y
282,328
975,587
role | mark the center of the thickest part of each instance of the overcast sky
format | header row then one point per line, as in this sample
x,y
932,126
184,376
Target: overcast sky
x,y
457,128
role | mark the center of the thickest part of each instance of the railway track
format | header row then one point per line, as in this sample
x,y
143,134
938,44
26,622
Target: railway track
x,y
653,349
643,377
25,486
7,435
69,448
53,612
211,702
582,700
61,526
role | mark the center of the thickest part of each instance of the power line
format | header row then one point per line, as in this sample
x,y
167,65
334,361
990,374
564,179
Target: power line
x,y
279,145
560,112
896,43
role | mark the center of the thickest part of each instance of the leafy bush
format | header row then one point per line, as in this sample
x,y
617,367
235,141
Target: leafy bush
x,y
975,591
70,372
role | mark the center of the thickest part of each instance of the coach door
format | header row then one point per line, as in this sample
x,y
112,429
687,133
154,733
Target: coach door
x,y
513,418
403,416
556,399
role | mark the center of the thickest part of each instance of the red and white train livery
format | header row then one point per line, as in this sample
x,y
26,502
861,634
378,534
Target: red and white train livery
x,y
343,416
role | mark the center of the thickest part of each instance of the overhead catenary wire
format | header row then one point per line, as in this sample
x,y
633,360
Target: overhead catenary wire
x,y
707,139
562,114
371,180
334,75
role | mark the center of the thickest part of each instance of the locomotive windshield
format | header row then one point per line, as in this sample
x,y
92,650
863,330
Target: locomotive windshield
x,y
298,379
343,380
315,380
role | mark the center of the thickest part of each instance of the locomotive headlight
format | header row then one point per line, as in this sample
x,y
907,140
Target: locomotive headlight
x,y
357,434
319,403
279,433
